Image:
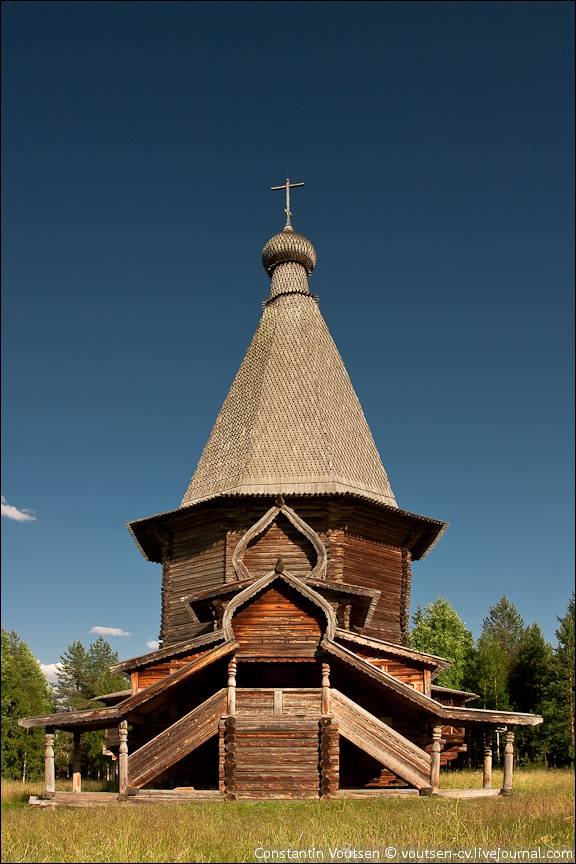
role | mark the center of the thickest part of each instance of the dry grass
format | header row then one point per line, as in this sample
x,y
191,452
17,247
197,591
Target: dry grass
x,y
540,813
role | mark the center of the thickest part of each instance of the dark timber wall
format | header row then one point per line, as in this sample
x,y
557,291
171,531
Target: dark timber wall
x,y
362,549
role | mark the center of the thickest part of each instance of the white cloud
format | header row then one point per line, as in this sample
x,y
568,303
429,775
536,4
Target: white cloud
x,y
153,644
18,515
50,671
109,631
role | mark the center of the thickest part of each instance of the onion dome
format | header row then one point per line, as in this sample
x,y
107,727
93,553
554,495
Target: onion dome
x,y
288,246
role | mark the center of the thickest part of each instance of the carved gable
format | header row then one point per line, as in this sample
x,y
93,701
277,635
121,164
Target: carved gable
x,y
279,623
282,540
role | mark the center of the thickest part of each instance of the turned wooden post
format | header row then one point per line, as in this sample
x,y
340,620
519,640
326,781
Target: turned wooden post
x,y
435,759
49,772
231,706
326,700
123,758
508,764
77,764
487,772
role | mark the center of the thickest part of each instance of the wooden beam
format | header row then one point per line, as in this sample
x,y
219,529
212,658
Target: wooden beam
x,y
161,688
177,741
460,716
163,654
383,743
71,718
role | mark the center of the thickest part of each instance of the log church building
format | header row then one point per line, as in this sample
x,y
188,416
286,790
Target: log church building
x,y
284,668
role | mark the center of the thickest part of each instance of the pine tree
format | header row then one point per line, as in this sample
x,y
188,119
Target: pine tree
x,y
505,625
562,690
82,677
25,692
73,688
488,675
529,686
439,630
99,658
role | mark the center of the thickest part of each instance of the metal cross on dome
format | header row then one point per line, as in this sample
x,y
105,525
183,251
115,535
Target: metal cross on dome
x,y
287,186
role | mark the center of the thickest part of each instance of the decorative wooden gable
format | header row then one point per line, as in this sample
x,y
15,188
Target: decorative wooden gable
x,y
278,619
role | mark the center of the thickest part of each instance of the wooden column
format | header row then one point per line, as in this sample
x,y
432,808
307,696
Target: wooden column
x,y
508,764
326,701
123,758
77,764
231,706
435,759
49,772
487,772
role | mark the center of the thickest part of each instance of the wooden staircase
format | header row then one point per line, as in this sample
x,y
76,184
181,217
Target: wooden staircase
x,y
177,741
382,742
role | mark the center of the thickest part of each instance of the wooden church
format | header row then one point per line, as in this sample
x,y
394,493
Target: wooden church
x,y
284,669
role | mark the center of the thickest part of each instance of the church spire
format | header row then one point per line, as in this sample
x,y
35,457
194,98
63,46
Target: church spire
x,y
291,423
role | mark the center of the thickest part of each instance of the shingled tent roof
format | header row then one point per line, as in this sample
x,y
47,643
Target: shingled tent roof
x,y
292,422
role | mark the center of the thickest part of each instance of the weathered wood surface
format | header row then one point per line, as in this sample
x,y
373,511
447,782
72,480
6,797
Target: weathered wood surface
x,y
279,622
468,793
197,562
177,741
180,795
378,566
374,793
188,646
411,657
98,717
273,757
162,687
75,799
282,540
153,674
382,742
461,716
295,701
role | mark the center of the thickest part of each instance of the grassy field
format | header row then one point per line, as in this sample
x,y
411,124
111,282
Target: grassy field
x,y
539,814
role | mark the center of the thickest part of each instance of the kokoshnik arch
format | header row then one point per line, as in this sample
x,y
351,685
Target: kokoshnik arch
x,y
285,669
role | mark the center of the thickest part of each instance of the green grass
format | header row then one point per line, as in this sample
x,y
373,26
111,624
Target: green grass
x,y
540,813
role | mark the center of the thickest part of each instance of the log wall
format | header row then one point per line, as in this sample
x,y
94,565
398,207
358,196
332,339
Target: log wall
x,y
360,548
271,758
277,624
377,565
196,563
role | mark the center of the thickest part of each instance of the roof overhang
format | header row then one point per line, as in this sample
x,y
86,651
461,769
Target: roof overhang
x,y
419,533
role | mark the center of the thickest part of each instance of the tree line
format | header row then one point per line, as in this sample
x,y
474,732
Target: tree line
x,y
510,667
83,674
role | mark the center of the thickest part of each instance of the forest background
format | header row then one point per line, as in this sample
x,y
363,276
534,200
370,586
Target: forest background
x,y
510,666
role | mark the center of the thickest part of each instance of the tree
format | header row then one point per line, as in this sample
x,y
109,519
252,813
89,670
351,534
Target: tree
x,y
529,687
487,674
84,674
505,625
439,630
25,692
561,720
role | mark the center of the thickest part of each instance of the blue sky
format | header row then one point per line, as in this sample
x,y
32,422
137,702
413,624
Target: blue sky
x,y
140,143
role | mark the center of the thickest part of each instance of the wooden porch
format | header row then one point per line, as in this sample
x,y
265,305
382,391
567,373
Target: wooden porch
x,y
273,743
